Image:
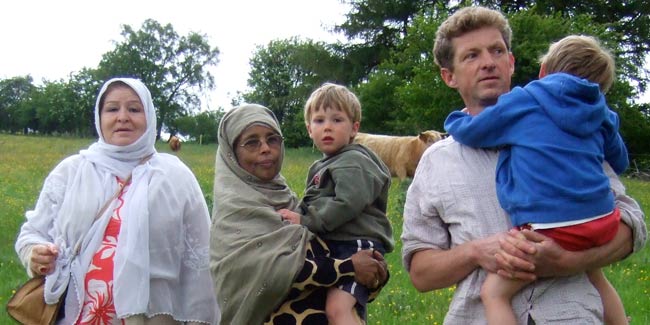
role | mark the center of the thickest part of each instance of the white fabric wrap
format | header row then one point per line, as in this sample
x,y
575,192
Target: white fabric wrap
x,y
73,221
132,253
169,278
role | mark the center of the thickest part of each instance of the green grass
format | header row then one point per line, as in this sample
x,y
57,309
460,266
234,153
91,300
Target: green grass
x,y
26,160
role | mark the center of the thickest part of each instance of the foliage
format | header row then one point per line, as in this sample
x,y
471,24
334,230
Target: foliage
x,y
377,104
82,89
383,25
410,84
377,27
627,21
15,94
295,132
405,94
54,112
277,78
635,130
172,66
54,107
202,127
283,75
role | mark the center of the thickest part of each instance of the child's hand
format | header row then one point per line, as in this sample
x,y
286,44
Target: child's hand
x,y
290,216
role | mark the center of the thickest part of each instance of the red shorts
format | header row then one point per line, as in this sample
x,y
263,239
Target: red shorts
x,y
585,235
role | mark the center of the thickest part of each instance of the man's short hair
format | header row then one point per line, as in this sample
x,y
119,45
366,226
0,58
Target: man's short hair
x,y
582,56
466,20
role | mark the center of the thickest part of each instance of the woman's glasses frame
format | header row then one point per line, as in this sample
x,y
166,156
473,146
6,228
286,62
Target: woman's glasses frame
x,y
272,141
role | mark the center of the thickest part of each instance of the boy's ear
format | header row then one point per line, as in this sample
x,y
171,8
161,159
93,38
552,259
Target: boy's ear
x,y
355,130
542,71
308,130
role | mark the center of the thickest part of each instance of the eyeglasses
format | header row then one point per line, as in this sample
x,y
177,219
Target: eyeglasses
x,y
273,141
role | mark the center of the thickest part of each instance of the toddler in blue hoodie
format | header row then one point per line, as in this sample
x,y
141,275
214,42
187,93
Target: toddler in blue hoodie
x,y
553,136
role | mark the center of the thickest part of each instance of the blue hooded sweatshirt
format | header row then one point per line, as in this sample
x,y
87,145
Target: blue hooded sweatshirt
x,y
553,134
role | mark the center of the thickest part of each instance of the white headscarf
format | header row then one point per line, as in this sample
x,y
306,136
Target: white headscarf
x,y
122,159
94,184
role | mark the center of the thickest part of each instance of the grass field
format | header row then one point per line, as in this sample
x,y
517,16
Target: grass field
x,y
25,161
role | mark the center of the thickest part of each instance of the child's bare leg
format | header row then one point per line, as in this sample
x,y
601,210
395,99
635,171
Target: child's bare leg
x,y
612,304
496,294
339,307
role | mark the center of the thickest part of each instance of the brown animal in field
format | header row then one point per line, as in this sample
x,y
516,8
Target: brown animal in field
x,y
175,143
400,153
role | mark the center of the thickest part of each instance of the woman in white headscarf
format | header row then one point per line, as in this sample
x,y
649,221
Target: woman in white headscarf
x,y
120,231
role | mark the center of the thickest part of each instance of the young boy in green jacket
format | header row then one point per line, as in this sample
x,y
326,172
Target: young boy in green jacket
x,y
346,194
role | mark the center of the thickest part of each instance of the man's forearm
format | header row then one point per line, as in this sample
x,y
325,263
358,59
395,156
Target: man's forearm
x,y
433,269
615,250
631,212
569,263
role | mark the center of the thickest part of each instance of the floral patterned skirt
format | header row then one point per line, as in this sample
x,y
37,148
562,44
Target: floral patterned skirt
x,y
98,306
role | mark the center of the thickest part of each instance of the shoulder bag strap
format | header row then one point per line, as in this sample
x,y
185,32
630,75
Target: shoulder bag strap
x,y
109,201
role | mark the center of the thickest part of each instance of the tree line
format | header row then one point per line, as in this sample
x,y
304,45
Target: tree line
x,y
387,61
174,67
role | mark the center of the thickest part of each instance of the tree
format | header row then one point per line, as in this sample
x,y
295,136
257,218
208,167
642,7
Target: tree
x,y
284,73
14,95
377,27
83,88
407,90
173,67
627,23
58,107
204,126
62,107
51,108
207,125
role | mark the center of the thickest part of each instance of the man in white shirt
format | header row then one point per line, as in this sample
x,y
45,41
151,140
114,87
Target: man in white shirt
x,y
453,223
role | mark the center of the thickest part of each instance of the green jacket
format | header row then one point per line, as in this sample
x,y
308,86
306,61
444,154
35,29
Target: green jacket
x,y
346,197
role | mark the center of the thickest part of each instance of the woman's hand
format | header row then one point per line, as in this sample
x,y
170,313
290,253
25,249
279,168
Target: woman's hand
x,y
370,268
288,215
43,258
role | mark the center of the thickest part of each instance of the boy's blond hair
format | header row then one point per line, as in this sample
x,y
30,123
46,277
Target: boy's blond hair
x,y
333,96
582,56
463,21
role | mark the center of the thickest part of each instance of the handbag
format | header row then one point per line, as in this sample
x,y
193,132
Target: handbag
x,y
27,305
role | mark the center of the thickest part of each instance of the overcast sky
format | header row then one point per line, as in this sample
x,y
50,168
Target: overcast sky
x,y
52,38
